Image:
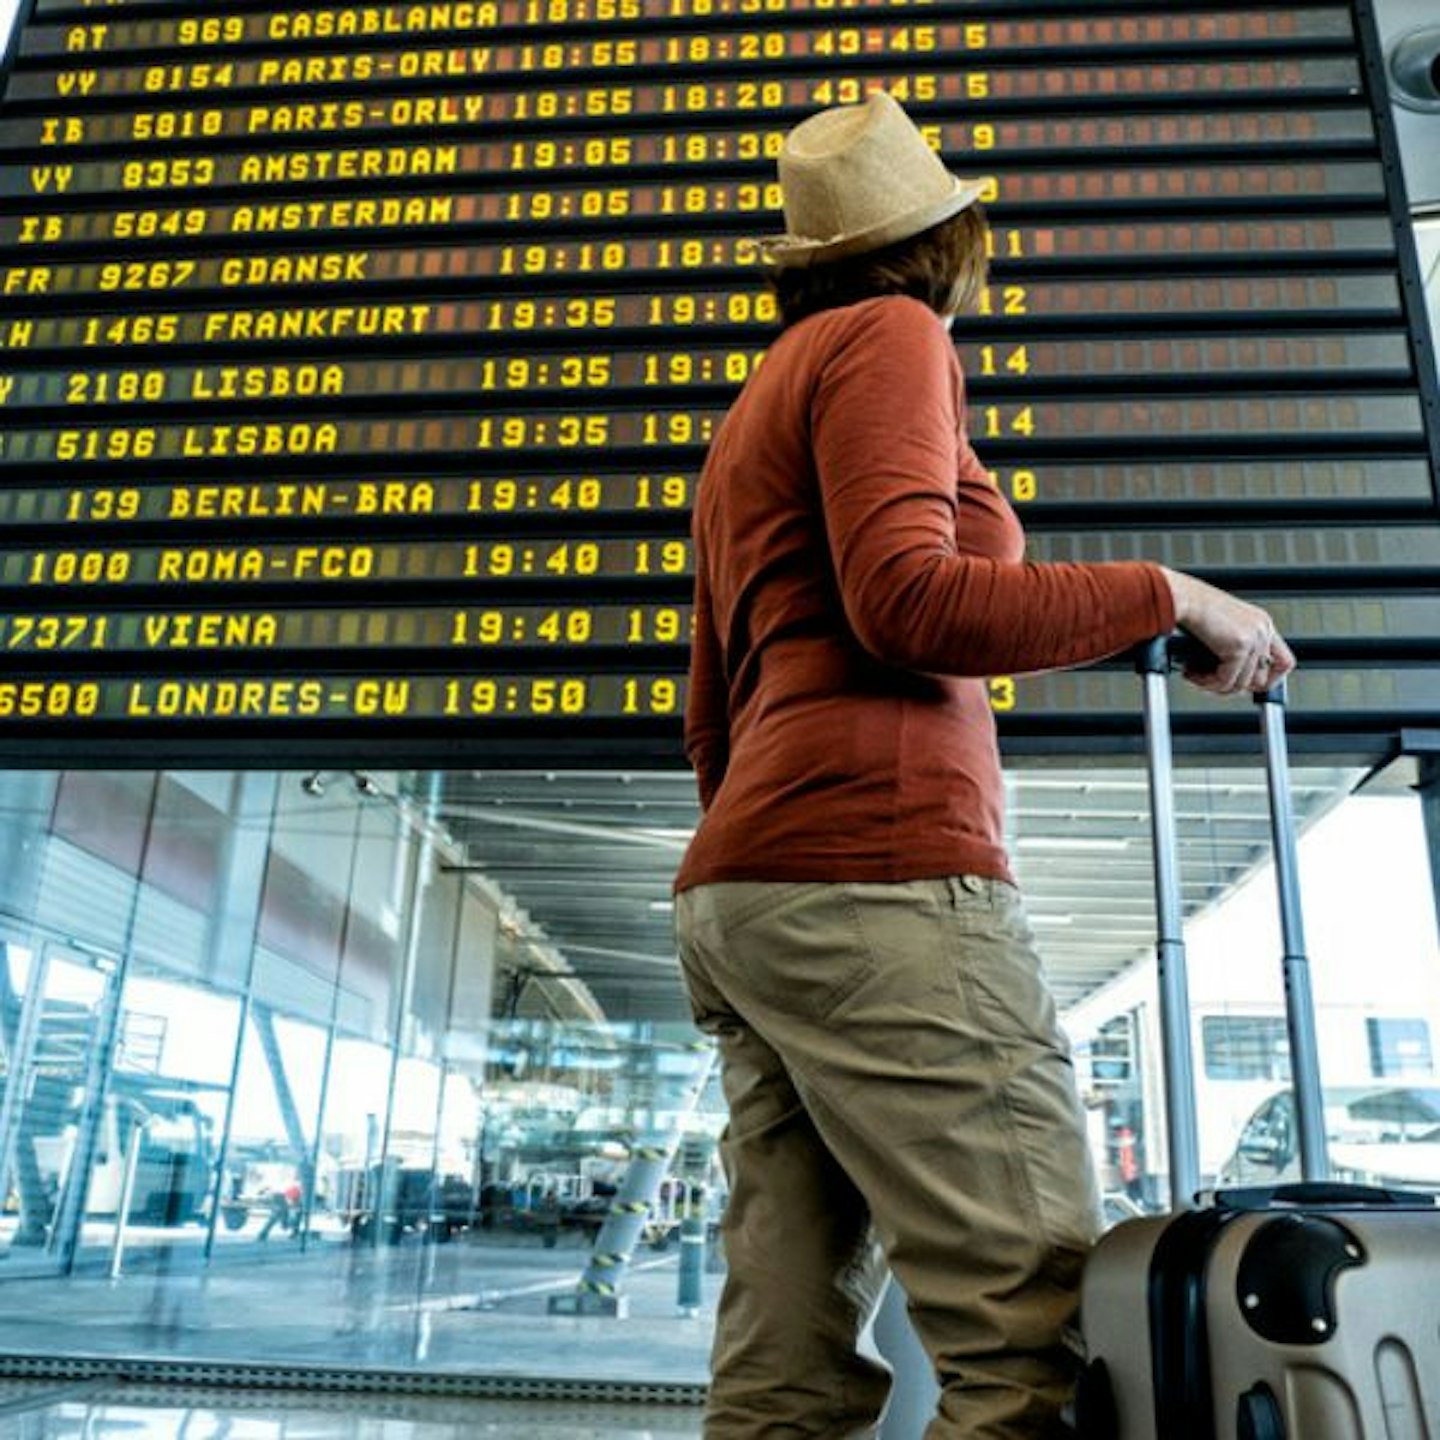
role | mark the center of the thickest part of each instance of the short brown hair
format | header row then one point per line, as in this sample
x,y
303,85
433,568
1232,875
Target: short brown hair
x,y
944,266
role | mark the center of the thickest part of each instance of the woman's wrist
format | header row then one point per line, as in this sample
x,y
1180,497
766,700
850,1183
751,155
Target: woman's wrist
x,y
1183,594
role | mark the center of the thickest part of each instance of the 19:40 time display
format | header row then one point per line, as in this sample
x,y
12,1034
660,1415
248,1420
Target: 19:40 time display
x,y
552,491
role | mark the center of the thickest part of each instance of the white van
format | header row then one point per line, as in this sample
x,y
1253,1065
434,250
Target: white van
x,y
1379,1134
174,1167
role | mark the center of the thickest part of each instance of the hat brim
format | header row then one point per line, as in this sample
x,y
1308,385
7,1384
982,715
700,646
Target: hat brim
x,y
792,251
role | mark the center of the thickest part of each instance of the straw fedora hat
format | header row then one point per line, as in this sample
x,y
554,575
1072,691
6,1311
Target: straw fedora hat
x,y
856,178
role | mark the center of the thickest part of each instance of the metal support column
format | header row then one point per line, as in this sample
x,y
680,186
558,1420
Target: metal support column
x,y
65,1234
263,1019
70,1211
690,1291
310,1166
380,1194
234,929
598,1291
20,1029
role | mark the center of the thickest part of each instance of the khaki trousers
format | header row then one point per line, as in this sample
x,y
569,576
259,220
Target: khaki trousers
x,y
899,1091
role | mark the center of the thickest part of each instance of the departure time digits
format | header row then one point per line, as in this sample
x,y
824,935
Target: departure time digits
x,y
556,259
216,32
1140,31
317,324
360,268
647,558
553,493
432,375
343,697
394,697
561,12
274,439
777,100
1387,417
1162,187
515,627
540,153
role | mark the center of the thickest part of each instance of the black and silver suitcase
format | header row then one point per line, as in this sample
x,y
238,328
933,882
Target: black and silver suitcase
x,y
1301,1312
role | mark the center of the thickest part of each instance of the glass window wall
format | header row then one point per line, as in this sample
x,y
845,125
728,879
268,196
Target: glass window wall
x,y
371,1070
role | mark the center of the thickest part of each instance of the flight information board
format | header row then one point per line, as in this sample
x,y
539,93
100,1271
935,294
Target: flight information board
x,y
358,361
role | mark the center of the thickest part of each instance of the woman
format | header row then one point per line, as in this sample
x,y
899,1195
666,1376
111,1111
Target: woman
x,y
899,1090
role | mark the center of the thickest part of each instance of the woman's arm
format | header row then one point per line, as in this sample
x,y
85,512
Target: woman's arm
x,y
888,443
888,447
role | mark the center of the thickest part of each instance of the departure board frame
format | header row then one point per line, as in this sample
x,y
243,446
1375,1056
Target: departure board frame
x,y
358,360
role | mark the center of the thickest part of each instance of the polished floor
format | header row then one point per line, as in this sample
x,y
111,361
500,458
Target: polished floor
x,y
104,1410
405,1342
476,1306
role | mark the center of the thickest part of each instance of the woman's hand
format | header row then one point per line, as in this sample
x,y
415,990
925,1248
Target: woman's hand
x,y
1250,653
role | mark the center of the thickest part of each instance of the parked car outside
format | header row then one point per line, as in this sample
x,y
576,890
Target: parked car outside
x,y
1376,1134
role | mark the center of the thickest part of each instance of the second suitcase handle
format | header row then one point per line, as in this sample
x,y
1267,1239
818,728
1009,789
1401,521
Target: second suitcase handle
x,y
1295,963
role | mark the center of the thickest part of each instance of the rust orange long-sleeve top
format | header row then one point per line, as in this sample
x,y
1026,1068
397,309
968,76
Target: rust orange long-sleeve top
x,y
857,579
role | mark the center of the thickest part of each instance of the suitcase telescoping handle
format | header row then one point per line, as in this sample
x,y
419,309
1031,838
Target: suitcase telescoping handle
x,y
1154,662
1295,962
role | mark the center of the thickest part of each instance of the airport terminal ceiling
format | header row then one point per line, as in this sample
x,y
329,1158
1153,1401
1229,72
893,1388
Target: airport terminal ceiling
x,y
359,360
588,857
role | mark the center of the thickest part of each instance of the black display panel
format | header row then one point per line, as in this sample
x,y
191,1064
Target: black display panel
x,y
359,360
